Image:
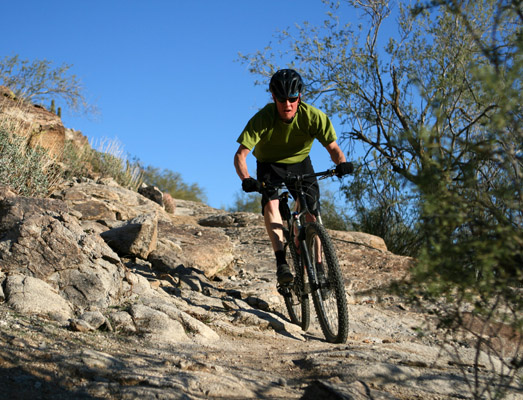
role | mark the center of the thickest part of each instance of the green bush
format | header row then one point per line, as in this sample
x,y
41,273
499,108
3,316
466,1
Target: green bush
x,y
246,202
171,182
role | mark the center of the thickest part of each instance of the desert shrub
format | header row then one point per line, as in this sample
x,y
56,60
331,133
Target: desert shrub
x,y
109,160
30,171
75,161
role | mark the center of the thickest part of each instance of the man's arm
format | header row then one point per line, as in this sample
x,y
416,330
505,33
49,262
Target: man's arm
x,y
335,152
240,162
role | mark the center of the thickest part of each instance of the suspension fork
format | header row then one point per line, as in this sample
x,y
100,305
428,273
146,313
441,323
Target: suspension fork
x,y
299,218
313,281
304,252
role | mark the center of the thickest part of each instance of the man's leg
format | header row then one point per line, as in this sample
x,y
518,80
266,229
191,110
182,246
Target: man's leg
x,y
274,224
274,227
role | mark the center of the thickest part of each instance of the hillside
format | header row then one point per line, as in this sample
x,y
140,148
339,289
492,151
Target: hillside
x,y
186,307
105,295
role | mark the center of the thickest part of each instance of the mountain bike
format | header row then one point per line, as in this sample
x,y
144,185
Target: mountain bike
x,y
314,264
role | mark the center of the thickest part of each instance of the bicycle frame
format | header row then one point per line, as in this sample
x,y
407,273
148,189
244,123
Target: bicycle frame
x,y
314,250
297,222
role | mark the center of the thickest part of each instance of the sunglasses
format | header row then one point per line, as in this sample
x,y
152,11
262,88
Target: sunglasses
x,y
290,100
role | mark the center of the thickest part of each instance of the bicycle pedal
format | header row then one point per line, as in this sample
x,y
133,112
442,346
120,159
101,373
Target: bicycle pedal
x,y
284,290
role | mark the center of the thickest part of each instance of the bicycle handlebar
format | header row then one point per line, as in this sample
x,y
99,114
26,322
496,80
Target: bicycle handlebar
x,y
294,178
322,175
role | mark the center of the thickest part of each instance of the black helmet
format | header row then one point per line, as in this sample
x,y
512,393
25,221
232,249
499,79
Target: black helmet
x,y
286,83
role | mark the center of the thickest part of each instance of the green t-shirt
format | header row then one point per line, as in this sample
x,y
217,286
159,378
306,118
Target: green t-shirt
x,y
276,141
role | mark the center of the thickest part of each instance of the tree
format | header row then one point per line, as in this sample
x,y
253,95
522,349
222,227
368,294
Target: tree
x,y
246,202
37,81
172,183
442,113
382,207
333,214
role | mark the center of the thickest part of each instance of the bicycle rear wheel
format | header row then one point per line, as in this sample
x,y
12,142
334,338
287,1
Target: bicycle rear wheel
x,y
296,300
329,298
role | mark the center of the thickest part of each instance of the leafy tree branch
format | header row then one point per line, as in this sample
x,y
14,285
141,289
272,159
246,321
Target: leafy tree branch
x,y
438,112
37,81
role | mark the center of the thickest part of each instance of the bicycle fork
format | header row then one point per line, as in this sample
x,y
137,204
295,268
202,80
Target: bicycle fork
x,y
307,261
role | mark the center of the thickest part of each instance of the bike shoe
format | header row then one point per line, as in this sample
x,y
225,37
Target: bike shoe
x,y
284,274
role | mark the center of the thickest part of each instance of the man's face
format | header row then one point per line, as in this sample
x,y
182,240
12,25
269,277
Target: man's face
x,y
287,108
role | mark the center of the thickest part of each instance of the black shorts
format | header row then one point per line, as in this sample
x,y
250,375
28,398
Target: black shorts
x,y
277,172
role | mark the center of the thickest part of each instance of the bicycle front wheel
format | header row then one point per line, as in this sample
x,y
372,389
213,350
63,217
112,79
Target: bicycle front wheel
x,y
296,300
329,295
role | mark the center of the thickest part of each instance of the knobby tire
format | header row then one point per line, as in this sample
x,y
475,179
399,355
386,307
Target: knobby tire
x,y
329,300
296,300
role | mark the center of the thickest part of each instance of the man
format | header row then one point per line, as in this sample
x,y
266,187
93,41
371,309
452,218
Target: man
x,y
281,135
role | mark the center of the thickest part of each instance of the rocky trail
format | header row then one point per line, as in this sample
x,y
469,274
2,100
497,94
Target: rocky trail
x,y
107,296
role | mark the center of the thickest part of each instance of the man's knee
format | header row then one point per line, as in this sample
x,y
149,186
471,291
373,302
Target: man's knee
x,y
272,207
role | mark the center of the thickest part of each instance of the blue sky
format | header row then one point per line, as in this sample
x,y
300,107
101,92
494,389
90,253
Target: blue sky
x,y
164,74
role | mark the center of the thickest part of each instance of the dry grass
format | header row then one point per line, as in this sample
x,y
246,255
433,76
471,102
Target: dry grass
x,y
31,170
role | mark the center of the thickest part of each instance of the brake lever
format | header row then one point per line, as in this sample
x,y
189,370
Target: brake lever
x,y
330,173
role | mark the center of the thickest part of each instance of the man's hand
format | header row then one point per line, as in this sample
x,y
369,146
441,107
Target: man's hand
x,y
344,168
251,185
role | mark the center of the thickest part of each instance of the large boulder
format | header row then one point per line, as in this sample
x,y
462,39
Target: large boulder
x,y
29,295
205,248
106,200
137,237
156,326
366,263
40,238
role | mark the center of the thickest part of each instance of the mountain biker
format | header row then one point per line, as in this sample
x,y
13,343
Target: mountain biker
x,y
282,134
